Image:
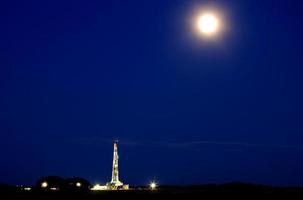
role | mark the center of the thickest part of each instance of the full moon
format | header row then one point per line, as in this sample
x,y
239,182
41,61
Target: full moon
x,y
208,24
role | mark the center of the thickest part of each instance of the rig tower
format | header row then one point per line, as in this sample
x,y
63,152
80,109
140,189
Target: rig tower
x,y
115,183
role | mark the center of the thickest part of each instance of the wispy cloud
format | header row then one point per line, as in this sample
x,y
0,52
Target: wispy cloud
x,y
182,144
244,144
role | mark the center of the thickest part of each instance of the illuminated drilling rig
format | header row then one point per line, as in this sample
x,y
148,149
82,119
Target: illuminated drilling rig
x,y
115,183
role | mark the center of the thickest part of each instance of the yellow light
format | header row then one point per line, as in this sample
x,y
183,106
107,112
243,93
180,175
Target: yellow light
x,y
44,184
99,187
153,185
208,24
78,184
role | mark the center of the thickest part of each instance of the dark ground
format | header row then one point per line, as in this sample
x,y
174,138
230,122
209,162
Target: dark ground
x,y
228,191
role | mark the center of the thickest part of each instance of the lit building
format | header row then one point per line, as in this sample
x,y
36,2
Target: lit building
x,y
98,187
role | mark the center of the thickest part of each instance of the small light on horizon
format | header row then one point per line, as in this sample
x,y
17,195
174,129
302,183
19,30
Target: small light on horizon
x,y
153,185
44,184
78,184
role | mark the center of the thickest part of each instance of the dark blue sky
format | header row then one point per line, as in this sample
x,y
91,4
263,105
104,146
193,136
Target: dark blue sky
x,y
74,75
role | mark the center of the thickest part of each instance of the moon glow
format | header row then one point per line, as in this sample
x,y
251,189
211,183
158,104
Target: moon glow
x,y
208,24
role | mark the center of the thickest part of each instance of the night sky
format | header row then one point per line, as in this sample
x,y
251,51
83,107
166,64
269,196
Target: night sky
x,y
75,75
